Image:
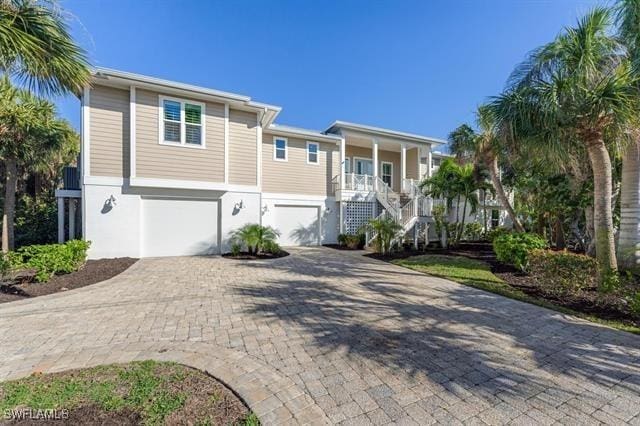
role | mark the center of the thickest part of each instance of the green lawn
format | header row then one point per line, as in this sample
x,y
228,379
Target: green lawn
x,y
149,389
478,274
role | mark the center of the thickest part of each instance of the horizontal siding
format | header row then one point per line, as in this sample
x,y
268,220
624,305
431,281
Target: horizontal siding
x,y
412,164
174,162
243,161
295,176
109,132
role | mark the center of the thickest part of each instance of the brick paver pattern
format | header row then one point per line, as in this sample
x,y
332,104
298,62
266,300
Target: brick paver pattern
x,y
365,341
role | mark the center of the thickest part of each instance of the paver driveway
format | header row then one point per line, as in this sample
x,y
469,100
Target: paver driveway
x,y
358,340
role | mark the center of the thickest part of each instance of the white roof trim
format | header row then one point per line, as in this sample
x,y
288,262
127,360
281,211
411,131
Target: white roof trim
x,y
111,74
280,129
384,132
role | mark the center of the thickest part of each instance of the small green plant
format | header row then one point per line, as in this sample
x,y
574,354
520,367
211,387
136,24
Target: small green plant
x,y
473,231
271,247
633,300
561,273
386,229
50,259
353,242
236,247
254,237
496,232
514,248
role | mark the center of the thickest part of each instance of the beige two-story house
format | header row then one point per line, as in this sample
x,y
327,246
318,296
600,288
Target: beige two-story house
x,y
173,169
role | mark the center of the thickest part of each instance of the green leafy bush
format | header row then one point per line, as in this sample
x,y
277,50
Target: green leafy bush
x,y
353,242
50,259
473,231
36,221
561,273
514,248
254,237
496,232
634,303
271,247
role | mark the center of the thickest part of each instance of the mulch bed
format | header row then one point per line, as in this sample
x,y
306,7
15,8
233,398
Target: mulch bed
x,y
262,256
92,272
604,306
340,247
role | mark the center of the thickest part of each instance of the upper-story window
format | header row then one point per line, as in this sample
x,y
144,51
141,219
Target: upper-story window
x,y
435,162
280,149
313,149
182,123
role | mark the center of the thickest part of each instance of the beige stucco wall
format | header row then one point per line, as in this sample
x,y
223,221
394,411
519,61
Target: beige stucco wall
x,y
295,176
243,157
109,132
154,160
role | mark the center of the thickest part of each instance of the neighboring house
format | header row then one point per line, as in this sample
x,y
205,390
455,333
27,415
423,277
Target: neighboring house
x,y
173,169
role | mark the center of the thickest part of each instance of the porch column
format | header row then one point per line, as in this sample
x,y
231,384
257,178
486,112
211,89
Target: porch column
x,y
403,163
419,156
60,220
343,160
72,218
375,157
429,160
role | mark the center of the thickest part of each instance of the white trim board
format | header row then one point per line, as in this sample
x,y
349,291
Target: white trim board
x,y
183,122
132,131
191,184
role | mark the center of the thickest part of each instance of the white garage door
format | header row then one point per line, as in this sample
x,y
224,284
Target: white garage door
x,y
174,227
298,225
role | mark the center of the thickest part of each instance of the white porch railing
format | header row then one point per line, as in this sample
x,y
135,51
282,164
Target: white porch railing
x,y
356,182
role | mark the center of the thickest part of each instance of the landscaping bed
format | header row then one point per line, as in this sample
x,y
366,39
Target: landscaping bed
x,y
609,308
93,271
146,392
244,255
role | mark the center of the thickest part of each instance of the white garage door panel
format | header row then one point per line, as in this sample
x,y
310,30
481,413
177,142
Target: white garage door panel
x,y
174,227
298,225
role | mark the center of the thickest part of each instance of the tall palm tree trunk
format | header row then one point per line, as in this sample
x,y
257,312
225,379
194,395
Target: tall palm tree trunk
x,y
629,233
8,213
464,216
494,172
602,193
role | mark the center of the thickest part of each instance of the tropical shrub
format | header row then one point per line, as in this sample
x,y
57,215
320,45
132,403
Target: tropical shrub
x,y
561,273
353,242
254,236
514,248
473,231
633,300
385,229
36,221
496,232
271,247
50,259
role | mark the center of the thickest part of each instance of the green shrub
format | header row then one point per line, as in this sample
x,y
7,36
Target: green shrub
x,y
356,241
254,237
50,259
473,231
36,221
561,273
514,248
496,232
236,247
271,247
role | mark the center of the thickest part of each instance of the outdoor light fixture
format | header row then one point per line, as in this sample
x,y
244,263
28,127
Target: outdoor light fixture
x,y
111,201
240,205
265,209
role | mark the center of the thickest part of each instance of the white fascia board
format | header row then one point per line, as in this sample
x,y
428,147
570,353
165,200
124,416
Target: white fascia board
x,y
104,75
296,197
384,132
304,133
190,184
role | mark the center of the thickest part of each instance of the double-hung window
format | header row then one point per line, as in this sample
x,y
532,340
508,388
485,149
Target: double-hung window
x,y
182,123
280,149
313,151
387,173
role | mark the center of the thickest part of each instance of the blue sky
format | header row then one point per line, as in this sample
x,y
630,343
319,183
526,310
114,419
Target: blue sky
x,y
416,66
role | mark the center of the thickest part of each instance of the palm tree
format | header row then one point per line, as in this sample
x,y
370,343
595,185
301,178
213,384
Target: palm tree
x,y
255,237
32,136
628,19
484,148
578,89
37,49
386,230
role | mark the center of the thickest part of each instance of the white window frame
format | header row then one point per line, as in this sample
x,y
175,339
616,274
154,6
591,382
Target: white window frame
x,y
347,160
355,160
286,148
183,124
317,144
382,163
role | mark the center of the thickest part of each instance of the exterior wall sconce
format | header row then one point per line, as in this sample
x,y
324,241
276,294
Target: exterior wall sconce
x,y
240,205
265,209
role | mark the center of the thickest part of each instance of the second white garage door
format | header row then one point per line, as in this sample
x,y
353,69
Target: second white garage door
x,y
176,227
298,225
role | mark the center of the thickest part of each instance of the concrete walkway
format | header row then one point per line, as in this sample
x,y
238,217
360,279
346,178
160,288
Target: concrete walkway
x,y
327,337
